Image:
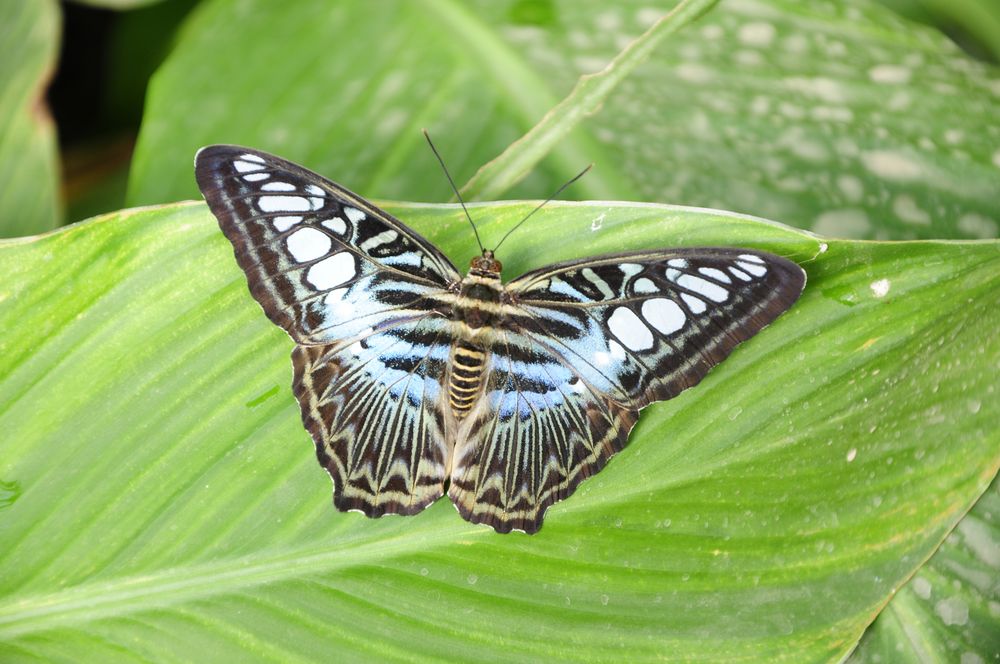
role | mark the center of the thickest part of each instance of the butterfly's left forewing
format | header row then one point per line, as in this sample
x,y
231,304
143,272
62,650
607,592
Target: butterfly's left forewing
x,y
361,295
641,327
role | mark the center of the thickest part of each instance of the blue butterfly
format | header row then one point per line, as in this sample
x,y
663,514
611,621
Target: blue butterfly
x,y
413,379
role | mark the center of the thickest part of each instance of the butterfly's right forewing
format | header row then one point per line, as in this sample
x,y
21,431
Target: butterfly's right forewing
x,y
324,264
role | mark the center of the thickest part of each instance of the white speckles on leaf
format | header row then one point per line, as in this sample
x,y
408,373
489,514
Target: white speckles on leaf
x,y
847,222
693,72
880,288
922,587
890,74
851,187
821,88
952,611
978,226
907,210
757,33
893,165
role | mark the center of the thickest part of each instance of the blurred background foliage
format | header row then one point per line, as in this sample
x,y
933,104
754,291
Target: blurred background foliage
x,y
820,133
854,119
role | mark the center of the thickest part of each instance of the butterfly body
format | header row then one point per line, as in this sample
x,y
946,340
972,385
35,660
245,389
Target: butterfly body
x,y
413,379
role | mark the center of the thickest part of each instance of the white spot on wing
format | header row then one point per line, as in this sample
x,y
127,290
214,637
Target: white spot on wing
x,y
354,214
256,177
718,275
599,283
694,304
336,224
678,263
753,258
282,224
332,271
753,268
307,244
317,196
644,285
630,329
283,204
252,157
739,274
617,352
704,288
340,309
663,314
385,237
247,166
278,186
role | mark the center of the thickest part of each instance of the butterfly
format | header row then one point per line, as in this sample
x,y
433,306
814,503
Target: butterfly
x,y
414,380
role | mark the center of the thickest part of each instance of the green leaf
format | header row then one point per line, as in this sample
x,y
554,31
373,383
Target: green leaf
x,y
160,499
976,22
590,92
831,115
949,610
834,116
29,176
345,90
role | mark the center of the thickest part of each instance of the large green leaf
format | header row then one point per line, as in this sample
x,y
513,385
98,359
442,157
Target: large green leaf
x,y
949,611
29,175
834,115
160,499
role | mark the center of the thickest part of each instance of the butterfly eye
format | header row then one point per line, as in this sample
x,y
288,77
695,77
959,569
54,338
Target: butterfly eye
x,y
486,264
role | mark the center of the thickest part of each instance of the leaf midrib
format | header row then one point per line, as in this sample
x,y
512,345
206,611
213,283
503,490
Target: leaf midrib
x,y
531,97
85,602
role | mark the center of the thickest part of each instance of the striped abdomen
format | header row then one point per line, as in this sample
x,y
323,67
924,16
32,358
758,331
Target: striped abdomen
x,y
467,362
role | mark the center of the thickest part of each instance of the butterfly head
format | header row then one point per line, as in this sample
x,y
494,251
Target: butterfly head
x,y
485,265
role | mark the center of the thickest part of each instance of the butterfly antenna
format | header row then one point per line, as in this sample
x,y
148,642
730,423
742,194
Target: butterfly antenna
x,y
542,204
453,188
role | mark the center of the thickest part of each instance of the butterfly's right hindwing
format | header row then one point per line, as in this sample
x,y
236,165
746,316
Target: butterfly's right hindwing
x,y
325,265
